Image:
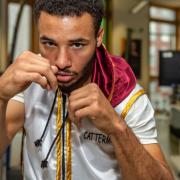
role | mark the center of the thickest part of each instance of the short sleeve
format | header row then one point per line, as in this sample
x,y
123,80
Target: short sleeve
x,y
19,97
140,119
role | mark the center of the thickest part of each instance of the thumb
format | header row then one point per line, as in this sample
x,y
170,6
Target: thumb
x,y
54,69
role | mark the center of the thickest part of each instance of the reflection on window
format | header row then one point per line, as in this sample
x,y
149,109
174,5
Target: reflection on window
x,y
162,28
165,38
162,37
162,13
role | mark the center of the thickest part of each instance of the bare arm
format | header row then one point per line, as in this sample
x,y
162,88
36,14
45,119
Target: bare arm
x,y
3,130
136,161
27,68
10,124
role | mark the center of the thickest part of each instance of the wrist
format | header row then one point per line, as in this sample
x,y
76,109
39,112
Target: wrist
x,y
120,127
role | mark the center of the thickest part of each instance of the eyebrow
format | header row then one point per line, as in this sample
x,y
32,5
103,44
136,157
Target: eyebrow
x,y
45,38
79,40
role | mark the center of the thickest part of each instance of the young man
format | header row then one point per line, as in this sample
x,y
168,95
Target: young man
x,y
83,113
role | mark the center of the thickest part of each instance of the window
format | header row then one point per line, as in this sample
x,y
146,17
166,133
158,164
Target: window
x,y
162,36
162,13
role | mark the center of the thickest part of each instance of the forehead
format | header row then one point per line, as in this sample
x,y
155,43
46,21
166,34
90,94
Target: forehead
x,y
68,26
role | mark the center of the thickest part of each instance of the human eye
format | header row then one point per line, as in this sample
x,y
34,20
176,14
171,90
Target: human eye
x,y
78,45
48,44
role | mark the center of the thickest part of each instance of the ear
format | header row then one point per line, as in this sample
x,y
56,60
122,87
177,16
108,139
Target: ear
x,y
100,36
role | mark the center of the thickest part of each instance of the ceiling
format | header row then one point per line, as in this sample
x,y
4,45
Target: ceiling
x,y
172,3
126,5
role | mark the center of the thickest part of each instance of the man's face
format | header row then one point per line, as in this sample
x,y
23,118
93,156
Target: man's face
x,y
69,43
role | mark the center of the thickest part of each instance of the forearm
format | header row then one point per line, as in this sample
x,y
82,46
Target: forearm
x,y
134,161
4,141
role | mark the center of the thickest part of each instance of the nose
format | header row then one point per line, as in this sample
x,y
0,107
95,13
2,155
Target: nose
x,y
63,60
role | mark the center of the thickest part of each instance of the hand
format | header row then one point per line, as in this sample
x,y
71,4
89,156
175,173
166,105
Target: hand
x,y
89,101
27,68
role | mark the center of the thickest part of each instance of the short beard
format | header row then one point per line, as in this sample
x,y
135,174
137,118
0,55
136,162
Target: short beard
x,y
86,73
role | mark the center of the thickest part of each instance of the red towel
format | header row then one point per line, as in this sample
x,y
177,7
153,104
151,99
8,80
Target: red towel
x,y
113,75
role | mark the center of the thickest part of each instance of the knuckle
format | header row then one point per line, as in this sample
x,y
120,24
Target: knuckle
x,y
36,76
96,105
24,56
48,68
21,64
96,96
94,86
47,61
70,105
69,99
26,53
77,115
95,89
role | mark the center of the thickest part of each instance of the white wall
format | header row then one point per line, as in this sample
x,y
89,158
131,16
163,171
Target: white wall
x,y
23,43
123,19
23,38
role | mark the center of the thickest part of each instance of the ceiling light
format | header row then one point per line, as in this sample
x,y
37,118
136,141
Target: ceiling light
x,y
139,6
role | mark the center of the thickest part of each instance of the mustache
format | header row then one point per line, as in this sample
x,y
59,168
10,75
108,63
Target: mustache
x,y
66,72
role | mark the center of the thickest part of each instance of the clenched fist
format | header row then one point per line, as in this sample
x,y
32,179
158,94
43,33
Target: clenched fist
x,y
89,101
27,68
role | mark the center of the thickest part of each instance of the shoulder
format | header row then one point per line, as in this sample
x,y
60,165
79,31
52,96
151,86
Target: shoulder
x,y
138,113
137,93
